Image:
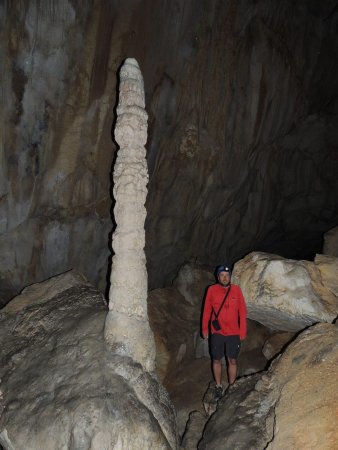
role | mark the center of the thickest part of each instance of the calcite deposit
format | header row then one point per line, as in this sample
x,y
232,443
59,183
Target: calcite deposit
x,y
127,328
284,294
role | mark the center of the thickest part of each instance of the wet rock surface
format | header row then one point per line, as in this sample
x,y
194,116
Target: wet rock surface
x,y
62,388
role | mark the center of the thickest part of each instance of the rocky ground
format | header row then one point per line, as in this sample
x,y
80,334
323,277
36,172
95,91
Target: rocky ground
x,y
61,388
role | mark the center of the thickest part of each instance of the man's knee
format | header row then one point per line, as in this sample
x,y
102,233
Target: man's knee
x,y
217,362
232,361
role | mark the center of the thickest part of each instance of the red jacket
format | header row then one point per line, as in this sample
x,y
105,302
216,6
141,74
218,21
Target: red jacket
x,y
232,317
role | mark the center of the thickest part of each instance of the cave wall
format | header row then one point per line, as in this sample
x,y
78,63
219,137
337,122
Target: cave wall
x,y
242,146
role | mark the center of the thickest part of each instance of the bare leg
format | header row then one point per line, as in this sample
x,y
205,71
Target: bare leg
x,y
217,370
232,370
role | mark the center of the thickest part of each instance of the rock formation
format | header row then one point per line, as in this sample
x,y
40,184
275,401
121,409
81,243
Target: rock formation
x,y
275,343
331,242
62,388
192,282
284,294
175,323
328,269
243,131
293,405
127,328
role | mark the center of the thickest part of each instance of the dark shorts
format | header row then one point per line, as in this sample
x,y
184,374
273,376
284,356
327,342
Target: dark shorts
x,y
224,345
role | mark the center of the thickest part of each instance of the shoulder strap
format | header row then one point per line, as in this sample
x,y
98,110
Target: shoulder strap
x,y
226,295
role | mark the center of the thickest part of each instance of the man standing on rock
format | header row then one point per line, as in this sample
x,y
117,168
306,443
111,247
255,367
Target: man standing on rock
x,y
224,315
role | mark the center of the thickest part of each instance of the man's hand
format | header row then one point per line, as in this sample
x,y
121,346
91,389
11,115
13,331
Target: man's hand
x,y
242,338
205,336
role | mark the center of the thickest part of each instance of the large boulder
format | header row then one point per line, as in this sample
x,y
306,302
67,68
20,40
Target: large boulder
x,y
284,294
62,388
44,291
293,405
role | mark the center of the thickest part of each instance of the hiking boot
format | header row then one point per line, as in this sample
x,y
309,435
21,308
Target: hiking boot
x,y
218,393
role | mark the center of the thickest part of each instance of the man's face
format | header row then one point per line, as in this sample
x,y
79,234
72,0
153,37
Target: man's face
x,y
224,278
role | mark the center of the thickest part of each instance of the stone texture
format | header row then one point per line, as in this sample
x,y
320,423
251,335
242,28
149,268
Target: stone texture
x,y
275,343
242,166
193,280
290,406
251,361
127,329
193,432
175,323
331,242
44,291
54,188
242,149
62,388
328,268
284,294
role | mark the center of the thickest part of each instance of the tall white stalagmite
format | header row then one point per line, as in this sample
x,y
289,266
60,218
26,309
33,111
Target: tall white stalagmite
x,y
127,328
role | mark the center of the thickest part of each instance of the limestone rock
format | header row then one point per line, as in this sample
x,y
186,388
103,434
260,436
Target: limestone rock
x,y
61,387
331,242
290,406
201,346
258,168
256,336
284,294
252,361
328,268
275,343
192,434
175,323
192,281
44,291
186,386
